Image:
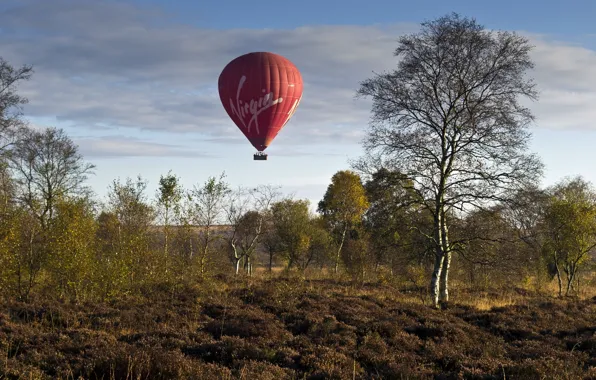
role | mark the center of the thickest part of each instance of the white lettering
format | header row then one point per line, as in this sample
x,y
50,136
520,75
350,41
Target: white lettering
x,y
253,108
292,110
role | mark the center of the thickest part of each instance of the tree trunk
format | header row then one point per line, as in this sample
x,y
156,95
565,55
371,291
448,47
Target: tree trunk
x,y
444,285
558,276
570,270
569,282
341,244
434,282
236,257
166,261
165,248
205,252
247,266
237,265
165,231
190,247
270,261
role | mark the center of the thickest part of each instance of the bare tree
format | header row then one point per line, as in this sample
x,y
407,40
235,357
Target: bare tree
x,y
47,165
10,102
208,205
525,212
7,188
236,210
247,213
449,119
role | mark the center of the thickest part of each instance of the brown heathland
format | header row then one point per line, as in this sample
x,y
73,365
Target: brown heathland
x,y
295,329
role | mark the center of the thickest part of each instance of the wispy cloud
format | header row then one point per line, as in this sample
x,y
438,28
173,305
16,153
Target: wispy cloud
x,y
123,146
112,64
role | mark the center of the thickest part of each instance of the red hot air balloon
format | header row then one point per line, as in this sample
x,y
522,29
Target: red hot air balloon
x,y
260,91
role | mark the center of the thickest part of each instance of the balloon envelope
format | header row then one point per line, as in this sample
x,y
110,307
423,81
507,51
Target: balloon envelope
x,y
260,91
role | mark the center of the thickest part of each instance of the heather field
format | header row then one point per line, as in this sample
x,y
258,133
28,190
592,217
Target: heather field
x,y
282,328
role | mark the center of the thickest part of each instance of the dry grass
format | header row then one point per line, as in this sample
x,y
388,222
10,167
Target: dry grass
x,y
485,302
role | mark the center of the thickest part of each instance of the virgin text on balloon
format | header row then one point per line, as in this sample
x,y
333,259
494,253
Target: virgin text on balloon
x,y
253,108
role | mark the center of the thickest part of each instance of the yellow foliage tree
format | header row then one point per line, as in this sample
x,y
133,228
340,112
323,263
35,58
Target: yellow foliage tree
x,y
71,263
343,206
570,222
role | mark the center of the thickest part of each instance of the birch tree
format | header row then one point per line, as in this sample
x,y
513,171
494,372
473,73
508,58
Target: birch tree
x,y
449,118
208,205
247,213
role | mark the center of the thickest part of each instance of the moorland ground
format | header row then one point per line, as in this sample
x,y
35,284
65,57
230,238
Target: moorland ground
x,y
282,328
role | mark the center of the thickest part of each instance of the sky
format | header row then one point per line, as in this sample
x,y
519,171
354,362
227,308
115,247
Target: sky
x,y
134,82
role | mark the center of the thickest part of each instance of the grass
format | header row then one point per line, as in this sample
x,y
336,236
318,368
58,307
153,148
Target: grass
x,y
485,303
300,329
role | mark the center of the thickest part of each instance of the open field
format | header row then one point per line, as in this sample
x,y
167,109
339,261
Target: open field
x,y
295,329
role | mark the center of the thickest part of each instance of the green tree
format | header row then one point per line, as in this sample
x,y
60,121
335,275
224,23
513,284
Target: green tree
x,y
320,247
111,273
291,224
47,166
22,253
72,248
570,221
169,196
133,217
449,118
185,238
343,206
490,249
392,218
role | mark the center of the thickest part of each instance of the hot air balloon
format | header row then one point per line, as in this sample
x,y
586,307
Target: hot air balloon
x,y
260,91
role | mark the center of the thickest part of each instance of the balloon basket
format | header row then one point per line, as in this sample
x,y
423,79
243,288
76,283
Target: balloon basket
x,y
260,156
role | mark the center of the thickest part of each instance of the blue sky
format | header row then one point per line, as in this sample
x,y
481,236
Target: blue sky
x,y
573,17
133,82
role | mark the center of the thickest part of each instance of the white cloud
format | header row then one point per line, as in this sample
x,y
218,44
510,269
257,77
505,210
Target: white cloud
x,y
112,64
122,146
